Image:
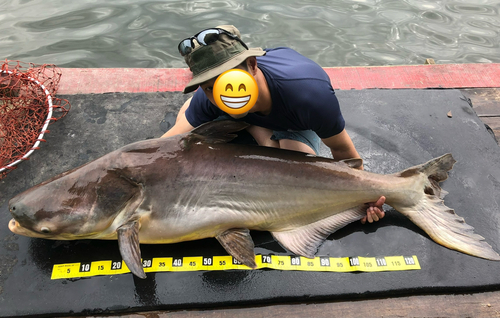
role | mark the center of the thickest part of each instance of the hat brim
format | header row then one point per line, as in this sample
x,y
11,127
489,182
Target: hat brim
x,y
216,71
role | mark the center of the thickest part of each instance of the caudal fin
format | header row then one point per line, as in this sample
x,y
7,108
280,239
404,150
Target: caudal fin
x,y
439,221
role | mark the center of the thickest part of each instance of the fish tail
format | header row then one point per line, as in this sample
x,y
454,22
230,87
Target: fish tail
x,y
435,218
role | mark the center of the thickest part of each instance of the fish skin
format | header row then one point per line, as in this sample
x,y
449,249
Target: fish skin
x,y
196,185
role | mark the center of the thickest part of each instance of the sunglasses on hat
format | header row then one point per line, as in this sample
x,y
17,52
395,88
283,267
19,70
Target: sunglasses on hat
x,y
205,37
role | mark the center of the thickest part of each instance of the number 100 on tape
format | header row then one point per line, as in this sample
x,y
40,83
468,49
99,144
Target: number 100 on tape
x,y
216,263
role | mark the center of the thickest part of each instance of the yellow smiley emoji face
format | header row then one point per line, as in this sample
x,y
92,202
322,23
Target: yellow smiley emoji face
x,y
235,91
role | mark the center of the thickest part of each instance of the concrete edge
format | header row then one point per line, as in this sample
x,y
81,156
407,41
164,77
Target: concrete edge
x,y
135,80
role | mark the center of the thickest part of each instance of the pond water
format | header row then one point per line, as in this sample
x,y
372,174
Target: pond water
x,y
136,33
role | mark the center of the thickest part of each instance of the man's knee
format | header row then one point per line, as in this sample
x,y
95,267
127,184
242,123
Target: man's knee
x,y
262,136
296,146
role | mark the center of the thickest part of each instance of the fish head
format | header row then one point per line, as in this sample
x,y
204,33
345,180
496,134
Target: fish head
x,y
78,204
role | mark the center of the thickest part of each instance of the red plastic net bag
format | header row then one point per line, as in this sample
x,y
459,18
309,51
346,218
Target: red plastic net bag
x,y
27,107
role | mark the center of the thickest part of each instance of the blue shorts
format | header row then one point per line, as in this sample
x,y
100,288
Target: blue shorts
x,y
307,137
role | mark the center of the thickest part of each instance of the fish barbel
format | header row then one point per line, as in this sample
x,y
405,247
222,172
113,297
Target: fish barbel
x,y
197,185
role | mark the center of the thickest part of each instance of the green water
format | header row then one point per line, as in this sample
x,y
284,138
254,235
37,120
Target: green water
x,y
128,33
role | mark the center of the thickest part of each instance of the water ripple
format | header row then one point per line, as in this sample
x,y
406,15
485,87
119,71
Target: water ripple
x,y
436,17
141,23
145,33
73,20
397,17
472,8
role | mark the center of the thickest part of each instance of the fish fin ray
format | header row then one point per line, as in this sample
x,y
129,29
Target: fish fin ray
x,y
128,242
445,227
239,244
215,132
306,240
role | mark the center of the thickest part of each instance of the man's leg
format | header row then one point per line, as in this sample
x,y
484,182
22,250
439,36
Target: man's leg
x,y
296,145
263,136
305,141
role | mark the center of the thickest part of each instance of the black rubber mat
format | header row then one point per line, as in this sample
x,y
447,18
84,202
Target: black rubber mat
x,y
392,129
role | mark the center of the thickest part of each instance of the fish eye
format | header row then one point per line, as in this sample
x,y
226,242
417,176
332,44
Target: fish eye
x,y
45,230
13,208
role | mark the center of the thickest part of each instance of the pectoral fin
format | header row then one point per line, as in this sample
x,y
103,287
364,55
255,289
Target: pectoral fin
x,y
239,244
128,241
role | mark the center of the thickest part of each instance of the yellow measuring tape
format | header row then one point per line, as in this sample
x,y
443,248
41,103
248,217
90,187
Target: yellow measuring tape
x,y
218,263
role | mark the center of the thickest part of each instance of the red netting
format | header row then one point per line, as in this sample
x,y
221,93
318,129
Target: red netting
x,y
27,106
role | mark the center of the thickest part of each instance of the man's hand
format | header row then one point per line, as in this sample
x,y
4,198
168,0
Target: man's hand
x,y
374,211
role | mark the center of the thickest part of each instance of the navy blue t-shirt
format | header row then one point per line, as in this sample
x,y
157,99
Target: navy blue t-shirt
x,y
301,93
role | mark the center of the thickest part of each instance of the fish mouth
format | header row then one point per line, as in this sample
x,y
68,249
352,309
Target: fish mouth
x,y
14,226
235,102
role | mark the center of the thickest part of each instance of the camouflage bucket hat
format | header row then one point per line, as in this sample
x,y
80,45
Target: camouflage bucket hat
x,y
209,61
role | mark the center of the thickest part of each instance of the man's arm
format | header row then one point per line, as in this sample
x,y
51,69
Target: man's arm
x,y
342,147
181,123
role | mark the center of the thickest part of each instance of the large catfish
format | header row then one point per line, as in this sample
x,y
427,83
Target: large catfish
x,y
197,185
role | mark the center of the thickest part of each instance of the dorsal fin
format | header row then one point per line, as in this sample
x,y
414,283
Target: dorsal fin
x,y
215,132
354,163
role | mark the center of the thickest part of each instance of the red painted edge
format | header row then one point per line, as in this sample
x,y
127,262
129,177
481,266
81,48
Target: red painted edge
x,y
135,80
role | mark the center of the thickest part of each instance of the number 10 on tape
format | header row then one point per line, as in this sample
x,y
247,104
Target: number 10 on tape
x,y
214,263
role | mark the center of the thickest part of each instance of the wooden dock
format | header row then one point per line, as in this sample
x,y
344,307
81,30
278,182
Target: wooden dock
x,y
480,305
486,103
